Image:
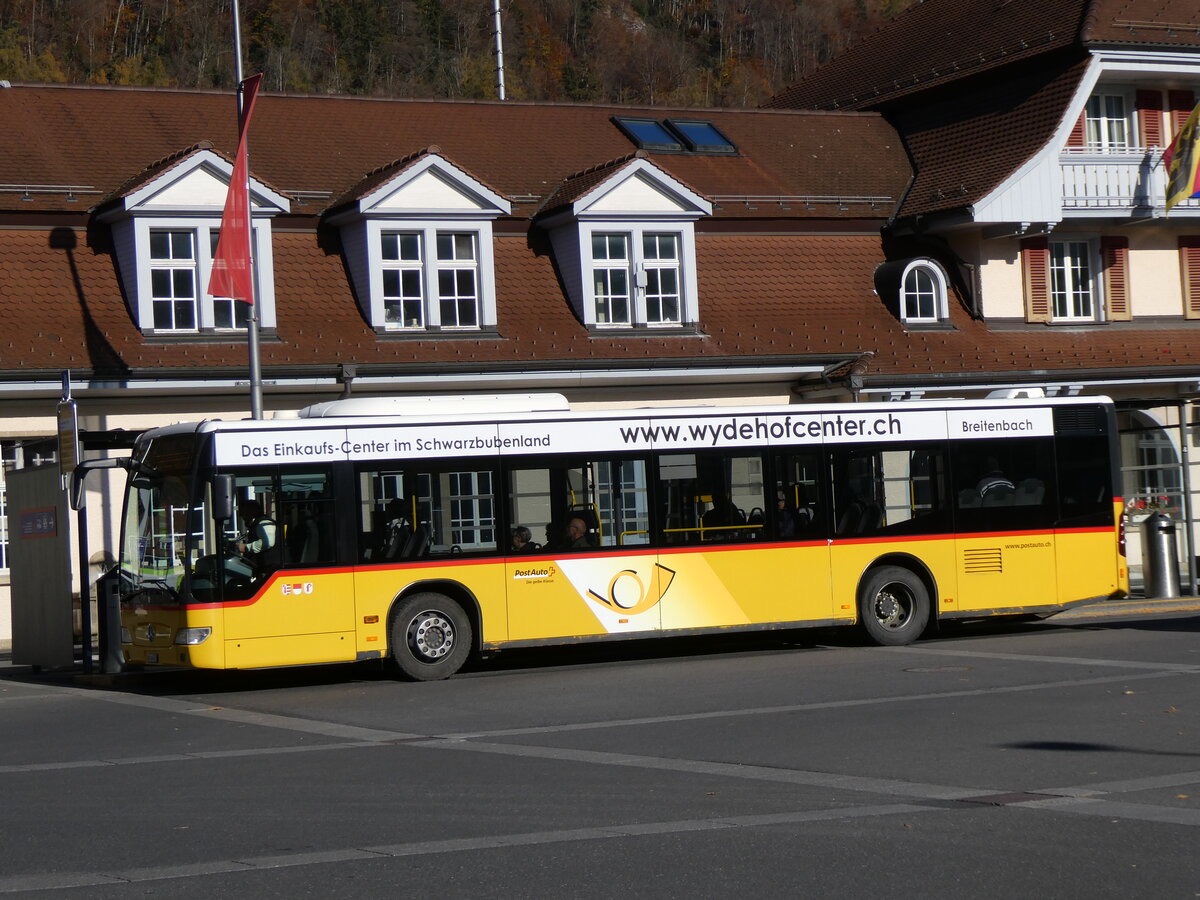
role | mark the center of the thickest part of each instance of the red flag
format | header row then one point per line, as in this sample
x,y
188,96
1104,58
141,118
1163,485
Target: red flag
x,y
232,275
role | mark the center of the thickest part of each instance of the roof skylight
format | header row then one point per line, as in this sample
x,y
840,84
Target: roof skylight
x,y
648,134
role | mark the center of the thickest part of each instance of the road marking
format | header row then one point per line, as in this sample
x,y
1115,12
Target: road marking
x,y
352,736
809,707
1126,786
890,787
59,880
924,650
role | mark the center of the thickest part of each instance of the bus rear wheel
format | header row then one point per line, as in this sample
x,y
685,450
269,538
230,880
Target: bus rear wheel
x,y
893,604
430,637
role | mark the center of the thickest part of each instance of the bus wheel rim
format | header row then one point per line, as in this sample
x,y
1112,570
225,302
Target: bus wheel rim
x,y
893,606
431,635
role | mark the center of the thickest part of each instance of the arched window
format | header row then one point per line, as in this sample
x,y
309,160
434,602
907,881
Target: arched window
x,y
923,292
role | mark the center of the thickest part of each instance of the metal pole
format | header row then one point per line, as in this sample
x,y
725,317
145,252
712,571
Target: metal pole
x,y
256,401
499,50
1186,508
85,599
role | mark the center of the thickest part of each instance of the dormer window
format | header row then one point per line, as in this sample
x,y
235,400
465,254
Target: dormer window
x,y
637,278
923,293
420,287
165,233
419,247
625,245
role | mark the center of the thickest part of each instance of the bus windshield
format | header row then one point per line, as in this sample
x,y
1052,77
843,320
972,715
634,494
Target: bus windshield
x,y
159,516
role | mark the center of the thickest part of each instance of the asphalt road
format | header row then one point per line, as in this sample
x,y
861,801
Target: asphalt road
x,y
1055,759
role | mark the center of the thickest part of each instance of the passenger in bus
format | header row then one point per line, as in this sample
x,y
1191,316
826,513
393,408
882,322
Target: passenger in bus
x,y
258,542
522,540
994,483
785,518
722,514
577,535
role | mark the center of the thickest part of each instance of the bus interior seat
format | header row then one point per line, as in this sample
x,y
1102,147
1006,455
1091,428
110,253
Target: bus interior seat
x,y
850,517
999,495
871,518
417,544
397,539
969,498
1030,492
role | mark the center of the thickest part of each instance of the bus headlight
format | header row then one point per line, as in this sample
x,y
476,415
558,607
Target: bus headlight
x,y
192,636
126,637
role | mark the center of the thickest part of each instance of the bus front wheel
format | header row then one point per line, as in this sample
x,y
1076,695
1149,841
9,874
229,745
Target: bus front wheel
x,y
430,637
893,604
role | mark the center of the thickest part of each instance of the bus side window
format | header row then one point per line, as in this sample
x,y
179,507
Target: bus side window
x,y
1003,483
711,498
797,513
882,490
609,496
407,513
306,517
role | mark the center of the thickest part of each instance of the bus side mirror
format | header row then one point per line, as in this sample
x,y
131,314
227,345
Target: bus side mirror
x,y
222,497
80,472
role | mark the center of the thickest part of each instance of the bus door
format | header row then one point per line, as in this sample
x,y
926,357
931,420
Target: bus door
x,y
285,602
731,558
580,562
1005,502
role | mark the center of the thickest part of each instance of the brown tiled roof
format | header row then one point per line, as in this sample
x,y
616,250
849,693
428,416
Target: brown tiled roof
x,y
1162,23
937,42
766,298
934,43
320,148
964,144
576,185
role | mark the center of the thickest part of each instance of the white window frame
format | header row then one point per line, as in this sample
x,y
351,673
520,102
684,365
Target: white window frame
x,y
1066,286
640,271
203,232
939,291
430,267
1099,125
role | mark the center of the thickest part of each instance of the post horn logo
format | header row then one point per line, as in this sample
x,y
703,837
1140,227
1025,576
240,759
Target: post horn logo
x,y
628,594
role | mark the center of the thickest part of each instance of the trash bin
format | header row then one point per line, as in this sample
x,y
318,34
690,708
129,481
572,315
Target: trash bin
x,y
1160,559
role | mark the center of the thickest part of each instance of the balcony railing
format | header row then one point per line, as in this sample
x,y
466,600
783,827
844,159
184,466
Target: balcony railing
x,y
1130,181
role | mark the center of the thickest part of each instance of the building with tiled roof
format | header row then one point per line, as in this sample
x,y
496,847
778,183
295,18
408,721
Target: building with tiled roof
x,y
1035,225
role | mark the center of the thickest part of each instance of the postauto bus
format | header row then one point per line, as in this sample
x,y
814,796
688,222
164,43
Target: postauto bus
x,y
421,533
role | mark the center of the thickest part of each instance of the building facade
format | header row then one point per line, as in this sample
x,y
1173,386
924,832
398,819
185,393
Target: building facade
x,y
1036,219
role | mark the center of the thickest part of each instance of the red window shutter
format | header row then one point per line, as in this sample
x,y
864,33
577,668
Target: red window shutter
x,y
1189,265
1035,266
1182,103
1114,256
1150,118
1078,135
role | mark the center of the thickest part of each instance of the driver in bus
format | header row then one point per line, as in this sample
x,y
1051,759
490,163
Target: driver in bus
x,y
259,540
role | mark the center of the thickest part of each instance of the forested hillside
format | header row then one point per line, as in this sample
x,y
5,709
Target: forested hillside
x,y
678,52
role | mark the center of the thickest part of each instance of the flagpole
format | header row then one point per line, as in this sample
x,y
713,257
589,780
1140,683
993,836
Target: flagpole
x,y
256,400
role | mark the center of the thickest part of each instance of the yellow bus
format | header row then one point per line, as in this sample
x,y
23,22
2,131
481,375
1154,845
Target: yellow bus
x,y
421,532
